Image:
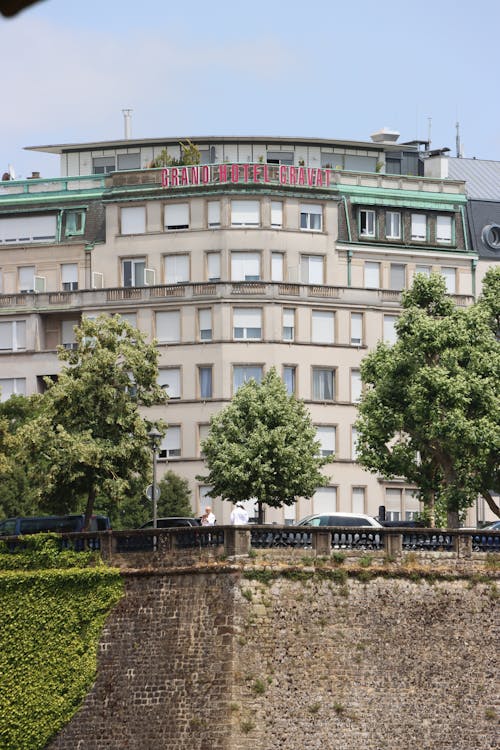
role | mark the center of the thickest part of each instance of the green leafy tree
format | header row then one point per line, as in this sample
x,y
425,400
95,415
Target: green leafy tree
x,y
136,509
89,440
263,446
430,410
17,495
190,154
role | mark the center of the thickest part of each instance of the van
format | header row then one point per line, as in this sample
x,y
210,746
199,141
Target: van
x,y
58,524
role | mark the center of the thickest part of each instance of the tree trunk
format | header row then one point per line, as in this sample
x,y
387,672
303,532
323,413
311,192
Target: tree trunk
x,y
432,511
260,512
89,508
492,505
452,519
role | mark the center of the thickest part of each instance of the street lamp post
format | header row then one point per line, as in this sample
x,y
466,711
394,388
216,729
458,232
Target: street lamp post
x,y
154,436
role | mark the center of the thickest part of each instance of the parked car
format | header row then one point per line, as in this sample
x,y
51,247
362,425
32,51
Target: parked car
x,y
339,519
58,524
495,526
172,522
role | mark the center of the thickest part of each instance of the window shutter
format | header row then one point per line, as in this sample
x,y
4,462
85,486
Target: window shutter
x,y
322,327
168,327
443,229
177,216
176,269
326,437
276,214
214,213
325,500
245,213
372,275
356,328
213,266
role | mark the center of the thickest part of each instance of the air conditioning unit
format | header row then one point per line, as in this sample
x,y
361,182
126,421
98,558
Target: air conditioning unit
x,y
97,280
149,277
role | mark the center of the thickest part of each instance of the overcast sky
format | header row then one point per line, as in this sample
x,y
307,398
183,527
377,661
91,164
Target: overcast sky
x,y
319,69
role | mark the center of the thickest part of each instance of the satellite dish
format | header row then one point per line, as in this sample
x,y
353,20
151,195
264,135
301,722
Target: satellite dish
x,y
12,172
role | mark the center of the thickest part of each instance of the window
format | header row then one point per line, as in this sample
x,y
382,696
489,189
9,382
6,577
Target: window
x,y
390,335
322,330
356,329
247,323
393,504
26,277
449,275
355,385
311,269
205,381
424,270
176,269
367,223
12,387
419,227
360,163
243,373
280,157
289,378
130,318
245,213
311,217
277,266
354,443
324,500
444,230
168,327
393,225
213,266
213,214
133,220
133,272
69,277
203,432
75,223
68,339
129,161
245,266
372,275
13,335
323,384
276,214
103,164
326,437
358,500
177,216
28,229
170,446
398,276
170,379
205,324
288,324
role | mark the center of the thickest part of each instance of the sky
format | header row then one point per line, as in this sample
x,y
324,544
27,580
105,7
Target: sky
x,y
320,69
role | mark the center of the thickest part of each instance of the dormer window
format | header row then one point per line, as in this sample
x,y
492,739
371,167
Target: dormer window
x,y
367,223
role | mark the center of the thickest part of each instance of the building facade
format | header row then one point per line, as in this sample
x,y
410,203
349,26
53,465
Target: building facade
x,y
270,253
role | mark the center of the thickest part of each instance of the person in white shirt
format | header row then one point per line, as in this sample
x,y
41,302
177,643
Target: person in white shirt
x,y
208,518
239,516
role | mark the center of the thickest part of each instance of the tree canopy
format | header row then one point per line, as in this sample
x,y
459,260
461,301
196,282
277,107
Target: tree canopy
x,y
263,445
89,439
430,409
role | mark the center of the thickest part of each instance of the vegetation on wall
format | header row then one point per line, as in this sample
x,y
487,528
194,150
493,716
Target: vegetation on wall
x,y
51,620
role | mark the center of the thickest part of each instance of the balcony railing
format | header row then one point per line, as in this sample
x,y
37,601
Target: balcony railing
x,y
82,298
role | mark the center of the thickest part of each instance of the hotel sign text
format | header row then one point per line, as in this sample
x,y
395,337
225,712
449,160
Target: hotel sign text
x,y
245,174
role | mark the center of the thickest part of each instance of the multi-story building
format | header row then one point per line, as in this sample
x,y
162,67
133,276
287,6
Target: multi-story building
x,y
278,252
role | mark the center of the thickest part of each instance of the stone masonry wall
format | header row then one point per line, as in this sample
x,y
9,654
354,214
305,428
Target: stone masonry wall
x,y
215,661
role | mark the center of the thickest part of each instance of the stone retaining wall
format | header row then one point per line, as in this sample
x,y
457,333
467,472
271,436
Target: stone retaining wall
x,y
215,661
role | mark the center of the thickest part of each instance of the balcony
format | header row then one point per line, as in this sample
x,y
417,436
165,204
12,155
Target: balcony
x,y
113,299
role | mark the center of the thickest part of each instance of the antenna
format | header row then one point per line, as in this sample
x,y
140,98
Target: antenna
x,y
459,145
429,129
127,121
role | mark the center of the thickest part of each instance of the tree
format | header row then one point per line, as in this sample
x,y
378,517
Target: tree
x,y
430,409
190,154
263,446
17,495
136,509
89,440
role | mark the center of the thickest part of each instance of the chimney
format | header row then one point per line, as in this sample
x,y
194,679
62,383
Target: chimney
x,y
385,135
127,122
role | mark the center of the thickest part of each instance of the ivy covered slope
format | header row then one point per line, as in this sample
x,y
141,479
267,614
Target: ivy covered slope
x,y
53,607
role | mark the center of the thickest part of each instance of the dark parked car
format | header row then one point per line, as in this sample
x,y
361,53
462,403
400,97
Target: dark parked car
x,y
172,522
59,524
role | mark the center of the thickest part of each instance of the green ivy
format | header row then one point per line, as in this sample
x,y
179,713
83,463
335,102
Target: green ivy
x,y
49,630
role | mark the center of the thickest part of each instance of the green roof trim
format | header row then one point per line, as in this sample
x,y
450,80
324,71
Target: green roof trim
x,y
362,194
401,202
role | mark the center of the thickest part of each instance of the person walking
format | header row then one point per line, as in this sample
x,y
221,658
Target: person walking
x,y
239,515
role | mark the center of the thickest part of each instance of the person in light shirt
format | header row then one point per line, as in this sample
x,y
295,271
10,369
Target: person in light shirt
x,y
208,518
239,516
